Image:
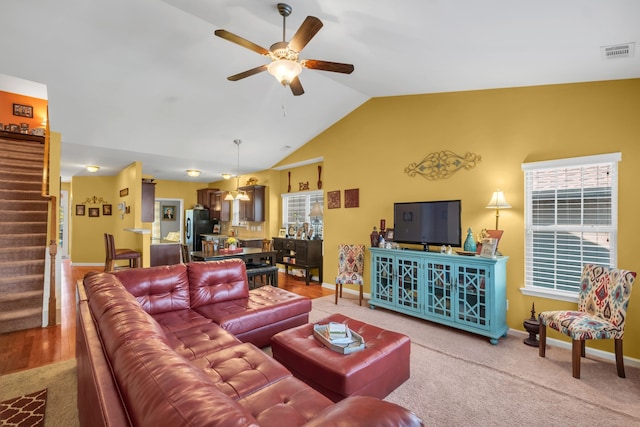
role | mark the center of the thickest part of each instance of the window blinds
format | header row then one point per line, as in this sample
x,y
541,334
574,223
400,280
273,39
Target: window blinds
x,y
570,219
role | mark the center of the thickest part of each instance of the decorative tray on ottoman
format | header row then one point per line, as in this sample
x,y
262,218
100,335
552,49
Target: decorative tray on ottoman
x,y
348,342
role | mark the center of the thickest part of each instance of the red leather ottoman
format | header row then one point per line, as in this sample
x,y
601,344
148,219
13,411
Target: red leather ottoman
x,y
375,371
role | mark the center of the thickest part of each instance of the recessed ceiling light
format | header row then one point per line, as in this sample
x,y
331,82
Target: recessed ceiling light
x,y
92,168
193,172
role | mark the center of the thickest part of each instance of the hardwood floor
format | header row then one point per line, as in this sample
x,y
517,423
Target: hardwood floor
x,y
31,348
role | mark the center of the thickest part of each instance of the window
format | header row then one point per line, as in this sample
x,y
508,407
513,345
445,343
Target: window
x,y
570,220
296,208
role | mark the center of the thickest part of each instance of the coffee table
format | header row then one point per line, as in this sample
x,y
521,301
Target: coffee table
x,y
375,371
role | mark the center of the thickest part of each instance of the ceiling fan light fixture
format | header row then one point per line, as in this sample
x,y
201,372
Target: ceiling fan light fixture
x,y
284,70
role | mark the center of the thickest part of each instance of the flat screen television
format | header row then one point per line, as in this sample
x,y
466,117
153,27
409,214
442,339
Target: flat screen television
x,y
428,223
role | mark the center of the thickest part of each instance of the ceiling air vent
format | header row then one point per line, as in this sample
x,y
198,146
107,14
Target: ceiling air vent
x,y
623,50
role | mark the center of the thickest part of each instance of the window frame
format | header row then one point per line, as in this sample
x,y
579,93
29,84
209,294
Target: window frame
x,y
611,160
310,198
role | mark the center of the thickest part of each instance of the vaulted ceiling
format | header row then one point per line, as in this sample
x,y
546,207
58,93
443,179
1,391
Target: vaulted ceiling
x,y
147,80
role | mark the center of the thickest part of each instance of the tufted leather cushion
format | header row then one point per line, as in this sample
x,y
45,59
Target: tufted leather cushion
x,y
216,281
158,289
264,306
148,372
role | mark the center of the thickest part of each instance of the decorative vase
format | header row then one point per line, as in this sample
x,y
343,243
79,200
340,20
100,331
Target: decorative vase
x,y
375,238
232,247
470,242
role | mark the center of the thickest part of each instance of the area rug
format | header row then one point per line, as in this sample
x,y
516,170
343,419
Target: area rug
x,y
459,378
59,379
24,411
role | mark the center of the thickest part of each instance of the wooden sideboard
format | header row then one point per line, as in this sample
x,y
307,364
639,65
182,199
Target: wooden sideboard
x,y
299,253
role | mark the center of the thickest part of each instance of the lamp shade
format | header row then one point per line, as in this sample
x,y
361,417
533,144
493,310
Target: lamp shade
x,y
316,210
284,70
498,201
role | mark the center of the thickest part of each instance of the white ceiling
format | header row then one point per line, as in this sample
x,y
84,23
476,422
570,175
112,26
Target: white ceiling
x,y
146,80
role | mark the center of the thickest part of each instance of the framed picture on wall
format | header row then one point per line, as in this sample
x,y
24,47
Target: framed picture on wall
x,y
94,212
333,199
79,210
106,209
23,110
168,213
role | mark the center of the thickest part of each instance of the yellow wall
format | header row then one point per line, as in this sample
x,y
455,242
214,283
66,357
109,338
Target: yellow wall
x,y
370,148
87,233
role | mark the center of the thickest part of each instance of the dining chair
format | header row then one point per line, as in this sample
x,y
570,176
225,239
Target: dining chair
x,y
113,255
350,268
602,312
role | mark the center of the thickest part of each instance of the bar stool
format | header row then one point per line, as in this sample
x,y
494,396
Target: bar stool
x,y
113,254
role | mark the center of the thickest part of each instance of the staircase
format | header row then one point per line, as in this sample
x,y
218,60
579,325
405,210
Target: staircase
x,y
23,235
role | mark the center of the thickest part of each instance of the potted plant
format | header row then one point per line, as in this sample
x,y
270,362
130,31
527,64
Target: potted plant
x,y
232,243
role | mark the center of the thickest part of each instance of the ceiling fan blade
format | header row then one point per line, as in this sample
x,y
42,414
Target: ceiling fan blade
x,y
307,30
247,73
242,42
296,87
336,67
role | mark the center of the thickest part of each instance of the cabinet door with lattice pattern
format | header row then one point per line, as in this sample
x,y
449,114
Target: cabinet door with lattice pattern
x,y
382,278
439,290
472,298
408,287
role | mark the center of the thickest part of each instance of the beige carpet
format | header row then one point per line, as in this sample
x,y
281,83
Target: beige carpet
x,y
60,381
459,378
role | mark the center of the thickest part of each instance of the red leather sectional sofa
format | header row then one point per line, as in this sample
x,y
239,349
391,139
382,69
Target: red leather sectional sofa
x,y
177,346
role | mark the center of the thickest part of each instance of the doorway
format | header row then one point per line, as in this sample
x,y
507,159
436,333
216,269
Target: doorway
x,y
169,214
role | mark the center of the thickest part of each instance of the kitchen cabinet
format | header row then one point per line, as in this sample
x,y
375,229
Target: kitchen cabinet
x,y
206,197
221,209
148,201
464,292
253,209
213,199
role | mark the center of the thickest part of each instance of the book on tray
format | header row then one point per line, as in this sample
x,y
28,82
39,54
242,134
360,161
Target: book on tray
x,y
338,333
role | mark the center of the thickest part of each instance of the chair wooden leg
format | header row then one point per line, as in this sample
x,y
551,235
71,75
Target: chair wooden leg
x,y
582,347
361,295
338,287
577,347
543,340
619,358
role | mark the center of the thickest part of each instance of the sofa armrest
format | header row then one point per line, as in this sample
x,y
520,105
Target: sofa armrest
x,y
365,411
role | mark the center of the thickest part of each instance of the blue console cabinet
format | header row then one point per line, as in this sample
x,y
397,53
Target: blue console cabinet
x,y
464,292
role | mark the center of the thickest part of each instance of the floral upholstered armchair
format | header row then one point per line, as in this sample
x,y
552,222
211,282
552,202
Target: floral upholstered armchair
x,y
602,312
350,268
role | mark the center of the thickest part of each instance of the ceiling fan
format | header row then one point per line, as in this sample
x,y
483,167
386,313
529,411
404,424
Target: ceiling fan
x,y
285,65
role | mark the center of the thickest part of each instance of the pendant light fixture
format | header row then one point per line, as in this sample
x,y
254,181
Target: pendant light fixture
x,y
237,194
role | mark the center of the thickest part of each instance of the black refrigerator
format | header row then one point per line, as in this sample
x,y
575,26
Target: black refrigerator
x,y
197,223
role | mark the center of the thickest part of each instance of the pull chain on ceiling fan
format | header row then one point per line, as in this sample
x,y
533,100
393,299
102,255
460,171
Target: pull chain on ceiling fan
x,y
285,65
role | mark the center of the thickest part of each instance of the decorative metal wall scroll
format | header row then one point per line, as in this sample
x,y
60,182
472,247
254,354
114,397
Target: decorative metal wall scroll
x,y
442,164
